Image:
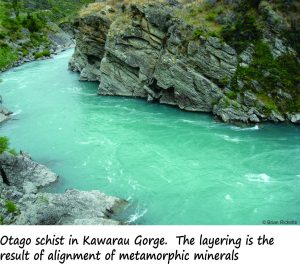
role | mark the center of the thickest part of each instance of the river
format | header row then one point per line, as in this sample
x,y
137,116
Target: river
x,y
174,167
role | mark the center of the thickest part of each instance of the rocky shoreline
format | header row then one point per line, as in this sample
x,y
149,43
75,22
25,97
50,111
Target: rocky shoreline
x,y
148,51
60,41
22,201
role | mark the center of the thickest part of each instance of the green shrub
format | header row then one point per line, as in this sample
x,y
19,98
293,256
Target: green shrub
x,y
201,32
37,39
7,57
197,33
38,55
232,95
4,144
10,207
12,24
211,16
282,72
215,34
227,101
33,22
25,51
268,102
16,35
36,36
44,53
246,29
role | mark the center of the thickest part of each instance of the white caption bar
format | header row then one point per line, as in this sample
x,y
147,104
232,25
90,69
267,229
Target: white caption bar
x,y
149,244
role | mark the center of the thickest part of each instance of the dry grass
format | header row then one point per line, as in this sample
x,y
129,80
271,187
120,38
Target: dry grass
x,y
194,12
200,14
92,8
100,6
119,25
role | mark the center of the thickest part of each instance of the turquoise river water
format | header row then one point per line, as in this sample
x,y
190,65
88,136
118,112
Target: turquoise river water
x,y
173,166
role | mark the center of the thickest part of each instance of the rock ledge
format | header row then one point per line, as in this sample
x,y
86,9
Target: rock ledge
x,y
22,201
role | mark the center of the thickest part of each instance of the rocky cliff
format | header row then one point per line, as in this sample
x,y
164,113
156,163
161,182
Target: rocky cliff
x,y
23,202
153,51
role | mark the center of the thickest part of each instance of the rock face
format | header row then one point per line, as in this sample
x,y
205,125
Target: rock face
x,y
90,49
22,202
148,52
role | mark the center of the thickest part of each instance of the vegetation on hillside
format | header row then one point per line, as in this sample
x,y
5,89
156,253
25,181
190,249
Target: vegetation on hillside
x,y
256,24
24,25
269,77
240,23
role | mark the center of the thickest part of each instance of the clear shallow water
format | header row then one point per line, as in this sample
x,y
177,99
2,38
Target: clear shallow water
x,y
175,167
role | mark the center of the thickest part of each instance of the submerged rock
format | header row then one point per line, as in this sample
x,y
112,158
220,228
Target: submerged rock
x,y
23,202
4,112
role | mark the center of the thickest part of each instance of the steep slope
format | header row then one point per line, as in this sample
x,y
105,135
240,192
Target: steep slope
x,y
188,54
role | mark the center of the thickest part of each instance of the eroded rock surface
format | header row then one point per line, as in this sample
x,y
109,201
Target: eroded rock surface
x,y
148,52
23,202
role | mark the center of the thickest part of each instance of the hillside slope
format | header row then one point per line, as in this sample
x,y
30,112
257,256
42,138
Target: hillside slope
x,y
32,29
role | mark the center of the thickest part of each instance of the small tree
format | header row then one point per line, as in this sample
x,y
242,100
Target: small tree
x,y
33,23
4,144
245,30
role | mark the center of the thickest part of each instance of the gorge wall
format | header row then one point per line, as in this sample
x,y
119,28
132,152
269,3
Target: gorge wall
x,y
149,51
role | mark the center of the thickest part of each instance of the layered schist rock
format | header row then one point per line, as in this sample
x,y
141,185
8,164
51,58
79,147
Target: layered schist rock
x,y
23,202
89,51
148,52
